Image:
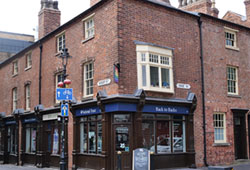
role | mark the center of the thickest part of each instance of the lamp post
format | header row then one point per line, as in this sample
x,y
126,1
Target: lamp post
x,y
64,56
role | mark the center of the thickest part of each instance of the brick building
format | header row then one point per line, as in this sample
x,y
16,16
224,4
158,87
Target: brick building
x,y
144,74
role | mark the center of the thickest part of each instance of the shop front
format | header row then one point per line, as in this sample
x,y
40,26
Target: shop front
x,y
108,129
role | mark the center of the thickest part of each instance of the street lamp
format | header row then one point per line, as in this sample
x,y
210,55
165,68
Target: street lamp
x,y
64,56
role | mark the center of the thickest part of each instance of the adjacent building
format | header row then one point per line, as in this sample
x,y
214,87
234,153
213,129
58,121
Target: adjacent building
x,y
144,75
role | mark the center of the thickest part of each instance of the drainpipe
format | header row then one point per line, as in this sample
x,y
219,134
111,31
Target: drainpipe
x,y
203,92
40,74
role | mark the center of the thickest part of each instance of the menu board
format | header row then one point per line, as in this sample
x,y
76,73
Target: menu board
x,y
141,159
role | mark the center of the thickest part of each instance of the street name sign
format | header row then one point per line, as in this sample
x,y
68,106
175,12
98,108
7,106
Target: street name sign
x,y
65,110
64,94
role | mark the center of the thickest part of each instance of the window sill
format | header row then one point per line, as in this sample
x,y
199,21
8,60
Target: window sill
x,y
87,98
221,144
232,48
91,154
14,75
234,95
90,38
162,90
27,68
28,153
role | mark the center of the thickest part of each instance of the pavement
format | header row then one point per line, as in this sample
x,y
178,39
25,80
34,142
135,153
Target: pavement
x,y
238,165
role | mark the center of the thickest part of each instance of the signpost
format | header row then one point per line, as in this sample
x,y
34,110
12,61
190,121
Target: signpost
x,y
65,110
64,94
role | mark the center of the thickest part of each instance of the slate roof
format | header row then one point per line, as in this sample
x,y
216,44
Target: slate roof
x,y
13,46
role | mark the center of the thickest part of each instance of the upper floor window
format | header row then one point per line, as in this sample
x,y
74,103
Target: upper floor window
x,y
232,80
89,27
219,127
15,67
14,99
27,97
60,42
154,68
231,38
28,61
88,78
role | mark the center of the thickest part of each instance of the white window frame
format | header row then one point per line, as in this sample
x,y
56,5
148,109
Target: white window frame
x,y
235,80
143,53
87,79
60,42
27,97
224,140
89,30
15,68
28,61
14,99
233,32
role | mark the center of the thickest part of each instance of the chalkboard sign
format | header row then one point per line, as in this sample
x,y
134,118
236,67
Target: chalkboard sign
x,y
141,159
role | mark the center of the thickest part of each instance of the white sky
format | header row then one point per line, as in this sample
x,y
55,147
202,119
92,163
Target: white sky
x,y
21,16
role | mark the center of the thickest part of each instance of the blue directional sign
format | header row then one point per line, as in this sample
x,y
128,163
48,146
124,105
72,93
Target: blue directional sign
x,y
65,109
64,94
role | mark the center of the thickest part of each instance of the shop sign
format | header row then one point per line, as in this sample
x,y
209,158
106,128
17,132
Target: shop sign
x,y
12,122
30,120
88,111
183,86
141,159
103,82
166,109
50,116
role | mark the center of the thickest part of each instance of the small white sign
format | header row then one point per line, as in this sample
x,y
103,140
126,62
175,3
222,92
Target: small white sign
x,y
52,116
104,82
183,86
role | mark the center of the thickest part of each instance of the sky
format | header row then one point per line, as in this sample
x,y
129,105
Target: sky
x,y
21,16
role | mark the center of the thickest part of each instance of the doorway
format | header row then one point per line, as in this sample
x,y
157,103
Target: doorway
x,y
122,142
240,142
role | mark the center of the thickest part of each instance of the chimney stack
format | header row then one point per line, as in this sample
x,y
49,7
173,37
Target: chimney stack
x,y
202,6
49,17
247,5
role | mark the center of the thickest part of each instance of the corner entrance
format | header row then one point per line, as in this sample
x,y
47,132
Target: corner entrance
x,y
240,140
122,142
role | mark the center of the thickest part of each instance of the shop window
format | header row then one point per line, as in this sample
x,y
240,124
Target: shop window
x,y
154,68
219,128
12,140
91,134
30,139
14,98
53,138
88,78
55,146
232,80
1,139
164,133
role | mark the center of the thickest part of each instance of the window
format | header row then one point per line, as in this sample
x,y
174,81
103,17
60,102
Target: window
x,y
14,99
15,68
219,128
30,146
12,139
28,61
164,133
88,79
27,97
154,68
232,80
91,134
89,27
60,42
230,38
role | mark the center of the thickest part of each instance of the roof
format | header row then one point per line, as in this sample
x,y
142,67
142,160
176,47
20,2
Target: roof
x,y
13,46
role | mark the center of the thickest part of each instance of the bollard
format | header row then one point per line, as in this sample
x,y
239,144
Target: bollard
x,y
119,163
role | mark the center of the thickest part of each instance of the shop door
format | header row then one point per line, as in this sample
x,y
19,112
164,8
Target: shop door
x,y
240,136
122,147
